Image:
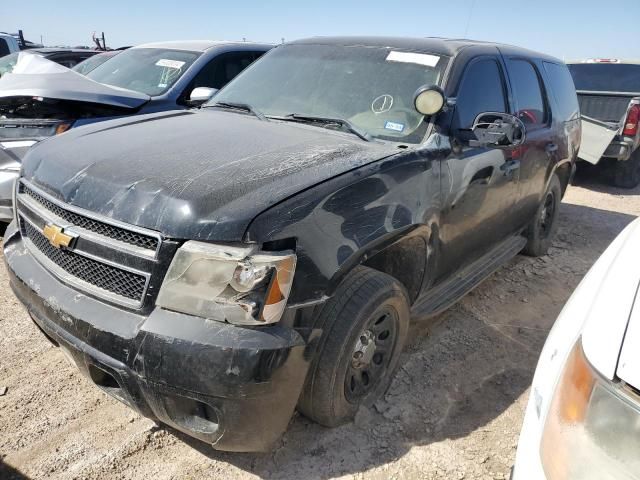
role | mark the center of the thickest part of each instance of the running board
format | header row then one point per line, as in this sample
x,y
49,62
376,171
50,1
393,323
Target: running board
x,y
443,296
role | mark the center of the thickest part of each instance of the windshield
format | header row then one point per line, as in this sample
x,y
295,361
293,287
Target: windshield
x,y
8,62
148,70
372,88
606,77
92,63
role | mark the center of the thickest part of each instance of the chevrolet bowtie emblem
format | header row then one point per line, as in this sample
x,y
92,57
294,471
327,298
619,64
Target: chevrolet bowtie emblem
x,y
56,236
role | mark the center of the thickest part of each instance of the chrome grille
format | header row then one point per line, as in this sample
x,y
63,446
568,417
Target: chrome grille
x,y
101,275
110,231
107,259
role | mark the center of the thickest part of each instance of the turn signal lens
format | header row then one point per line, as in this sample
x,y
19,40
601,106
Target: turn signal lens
x,y
279,290
63,127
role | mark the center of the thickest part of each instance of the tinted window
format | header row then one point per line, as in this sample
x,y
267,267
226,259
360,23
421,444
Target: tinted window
x,y
527,94
606,77
222,69
4,48
481,90
563,90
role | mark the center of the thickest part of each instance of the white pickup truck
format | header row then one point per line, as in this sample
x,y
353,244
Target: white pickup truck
x,y
609,95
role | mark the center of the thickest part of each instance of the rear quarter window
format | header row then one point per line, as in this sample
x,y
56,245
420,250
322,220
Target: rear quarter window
x,y
528,94
563,90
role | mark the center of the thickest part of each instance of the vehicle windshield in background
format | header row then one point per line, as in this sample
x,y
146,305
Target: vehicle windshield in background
x,y
148,70
372,88
8,62
606,77
92,63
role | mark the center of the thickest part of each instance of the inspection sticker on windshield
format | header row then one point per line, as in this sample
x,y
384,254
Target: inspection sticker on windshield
x,y
419,58
170,63
396,127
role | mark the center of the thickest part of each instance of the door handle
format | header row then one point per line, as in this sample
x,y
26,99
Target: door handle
x,y
509,167
551,148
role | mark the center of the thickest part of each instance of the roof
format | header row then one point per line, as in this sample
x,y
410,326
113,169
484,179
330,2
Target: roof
x,y
613,61
47,50
436,45
196,45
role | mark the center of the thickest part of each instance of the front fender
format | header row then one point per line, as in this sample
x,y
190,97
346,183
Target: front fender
x,y
343,221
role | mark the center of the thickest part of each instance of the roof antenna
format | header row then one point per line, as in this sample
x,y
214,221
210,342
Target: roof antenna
x,y
466,30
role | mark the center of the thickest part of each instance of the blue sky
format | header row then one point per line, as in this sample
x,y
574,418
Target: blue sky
x,y
565,28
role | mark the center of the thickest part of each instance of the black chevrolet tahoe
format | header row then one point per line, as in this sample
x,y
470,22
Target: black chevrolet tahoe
x,y
217,269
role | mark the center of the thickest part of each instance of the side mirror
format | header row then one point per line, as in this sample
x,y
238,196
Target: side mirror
x,y
497,130
429,100
200,95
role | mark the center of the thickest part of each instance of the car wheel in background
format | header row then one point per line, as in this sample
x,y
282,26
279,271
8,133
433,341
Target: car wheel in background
x,y
543,227
365,326
627,173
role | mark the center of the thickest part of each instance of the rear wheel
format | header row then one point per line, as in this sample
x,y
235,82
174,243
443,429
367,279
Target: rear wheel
x,y
365,327
543,227
627,173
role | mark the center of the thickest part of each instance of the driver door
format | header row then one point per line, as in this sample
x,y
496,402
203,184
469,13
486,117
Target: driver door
x,y
480,184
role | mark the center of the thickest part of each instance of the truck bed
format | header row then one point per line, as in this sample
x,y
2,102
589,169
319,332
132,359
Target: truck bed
x,y
609,107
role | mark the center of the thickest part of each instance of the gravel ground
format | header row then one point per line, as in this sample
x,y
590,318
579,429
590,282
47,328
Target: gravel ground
x,y
453,411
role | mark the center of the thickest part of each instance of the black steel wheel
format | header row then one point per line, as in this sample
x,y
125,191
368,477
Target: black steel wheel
x,y
371,355
543,227
364,327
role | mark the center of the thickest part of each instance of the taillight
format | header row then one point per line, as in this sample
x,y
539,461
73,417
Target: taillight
x,y
631,124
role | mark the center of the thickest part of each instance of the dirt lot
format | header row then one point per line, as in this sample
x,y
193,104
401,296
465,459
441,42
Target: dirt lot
x,y
453,411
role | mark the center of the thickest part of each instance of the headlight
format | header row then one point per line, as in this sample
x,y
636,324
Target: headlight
x,y
592,429
233,284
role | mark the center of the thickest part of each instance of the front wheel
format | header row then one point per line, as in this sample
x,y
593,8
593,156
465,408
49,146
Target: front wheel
x,y
365,326
543,227
627,173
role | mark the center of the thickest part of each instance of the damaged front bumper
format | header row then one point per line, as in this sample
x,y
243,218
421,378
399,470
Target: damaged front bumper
x,y
233,387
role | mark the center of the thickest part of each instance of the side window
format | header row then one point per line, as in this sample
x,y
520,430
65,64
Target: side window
x,y
222,69
4,47
481,90
564,91
527,93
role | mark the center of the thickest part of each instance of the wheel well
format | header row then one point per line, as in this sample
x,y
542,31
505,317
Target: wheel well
x,y
405,261
564,174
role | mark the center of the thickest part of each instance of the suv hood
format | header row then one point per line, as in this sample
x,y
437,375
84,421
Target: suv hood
x,y
192,174
34,76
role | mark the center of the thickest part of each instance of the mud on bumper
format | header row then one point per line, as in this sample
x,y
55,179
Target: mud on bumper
x,y
235,388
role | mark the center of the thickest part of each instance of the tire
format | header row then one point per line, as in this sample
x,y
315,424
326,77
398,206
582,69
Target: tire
x,y
543,227
355,348
627,174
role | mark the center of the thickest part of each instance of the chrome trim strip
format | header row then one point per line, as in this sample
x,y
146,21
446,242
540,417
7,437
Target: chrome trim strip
x,y
48,216
97,217
83,285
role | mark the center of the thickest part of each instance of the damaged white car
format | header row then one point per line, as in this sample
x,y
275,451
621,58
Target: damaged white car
x,y
40,98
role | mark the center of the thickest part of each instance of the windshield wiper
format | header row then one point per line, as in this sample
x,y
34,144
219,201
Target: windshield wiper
x,y
345,124
241,106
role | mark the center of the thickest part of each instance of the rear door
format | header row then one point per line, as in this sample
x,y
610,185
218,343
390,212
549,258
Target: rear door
x,y
531,105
